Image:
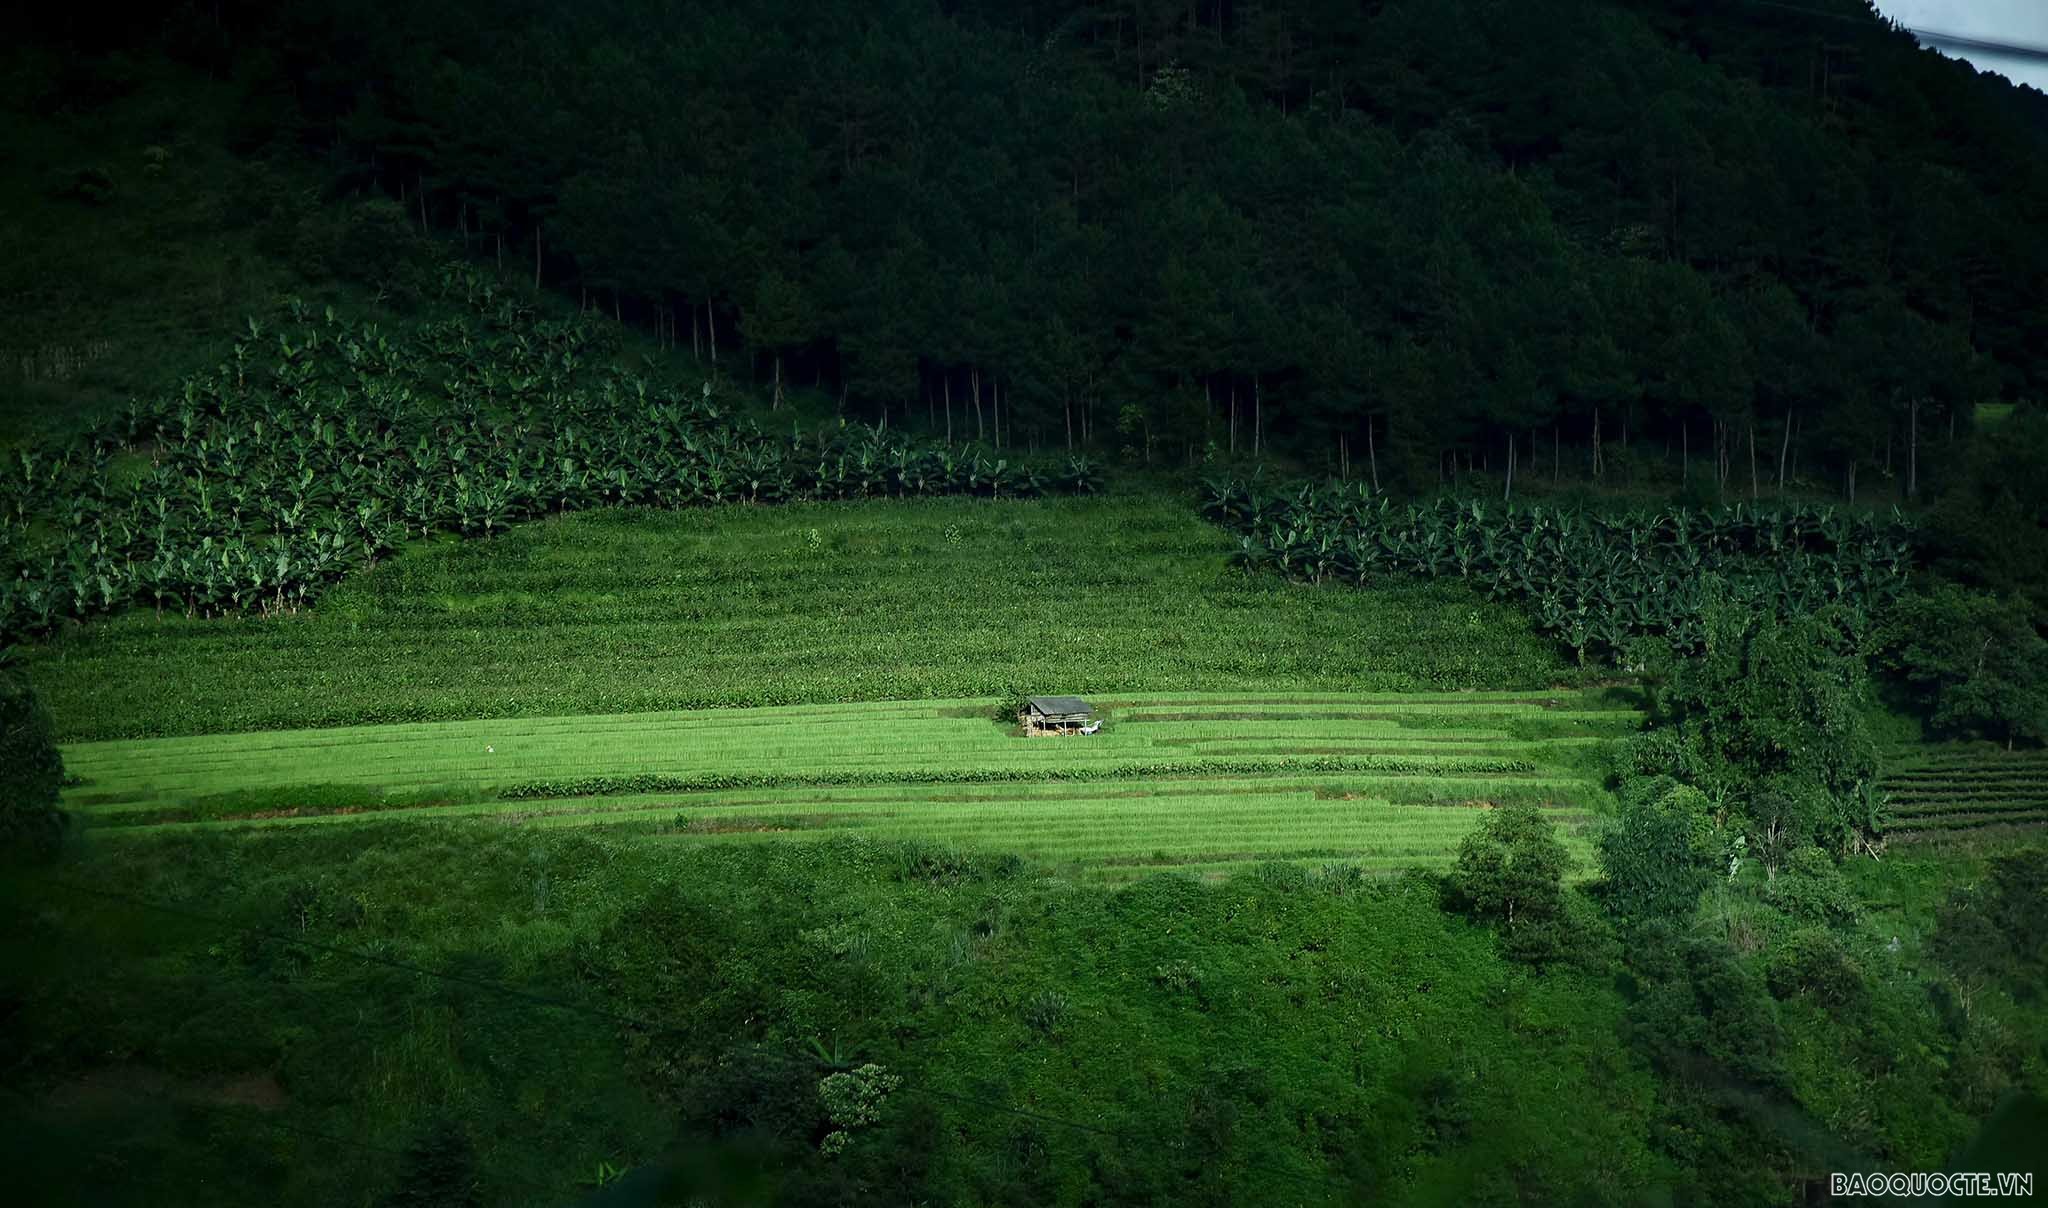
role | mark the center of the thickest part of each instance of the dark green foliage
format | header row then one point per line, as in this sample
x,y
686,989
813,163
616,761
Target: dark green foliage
x,y
1599,583
1660,851
1813,963
1810,887
439,1171
31,775
1510,874
318,447
1989,527
2000,927
1976,665
1251,226
1770,720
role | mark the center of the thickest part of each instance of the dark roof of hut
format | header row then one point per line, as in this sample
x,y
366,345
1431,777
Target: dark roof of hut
x,y
1060,706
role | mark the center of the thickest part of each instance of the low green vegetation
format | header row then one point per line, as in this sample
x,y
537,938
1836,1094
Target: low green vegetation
x,y
1046,1042
320,444
628,611
1965,793
1594,581
31,775
1213,782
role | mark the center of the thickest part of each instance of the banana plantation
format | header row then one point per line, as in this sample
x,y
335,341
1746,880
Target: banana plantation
x,y
1594,581
320,444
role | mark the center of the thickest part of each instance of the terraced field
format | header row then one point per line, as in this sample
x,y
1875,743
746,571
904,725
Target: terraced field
x,y
1202,781
1965,792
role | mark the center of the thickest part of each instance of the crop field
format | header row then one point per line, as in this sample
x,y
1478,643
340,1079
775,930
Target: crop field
x,y
1201,781
629,611
1967,792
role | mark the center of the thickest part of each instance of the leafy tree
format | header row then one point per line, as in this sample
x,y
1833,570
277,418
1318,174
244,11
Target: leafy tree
x,y
31,774
1997,927
1770,717
1510,874
1659,852
1976,663
778,317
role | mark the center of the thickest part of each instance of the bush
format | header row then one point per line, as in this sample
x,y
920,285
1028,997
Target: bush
x,y
1510,873
1811,888
1974,663
31,775
1659,853
1814,964
438,1171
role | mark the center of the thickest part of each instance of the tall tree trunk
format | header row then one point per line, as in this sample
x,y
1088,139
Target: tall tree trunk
x,y
1684,452
536,256
711,322
948,379
1233,418
1507,491
1372,454
1596,445
775,404
974,379
1852,479
1784,451
1754,491
1258,419
1067,406
995,410
1913,448
1343,462
696,336
1556,456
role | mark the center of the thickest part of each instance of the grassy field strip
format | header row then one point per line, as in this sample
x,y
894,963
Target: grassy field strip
x,y
1391,789
1134,797
463,754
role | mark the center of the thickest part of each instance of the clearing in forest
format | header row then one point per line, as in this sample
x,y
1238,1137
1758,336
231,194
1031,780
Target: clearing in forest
x,y
1202,781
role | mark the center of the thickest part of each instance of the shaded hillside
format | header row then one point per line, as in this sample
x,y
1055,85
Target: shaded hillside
x,y
1418,230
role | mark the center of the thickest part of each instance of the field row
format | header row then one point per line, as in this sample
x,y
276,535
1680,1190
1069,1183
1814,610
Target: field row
x,y
1231,778
1959,792
615,612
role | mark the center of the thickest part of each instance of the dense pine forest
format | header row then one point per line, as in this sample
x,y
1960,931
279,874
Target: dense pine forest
x,y
531,533
1406,239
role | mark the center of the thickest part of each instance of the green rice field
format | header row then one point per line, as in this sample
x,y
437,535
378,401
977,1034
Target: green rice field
x,y
1966,792
1203,781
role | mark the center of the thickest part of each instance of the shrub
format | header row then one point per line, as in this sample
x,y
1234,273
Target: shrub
x,y
438,1171
31,775
1659,852
1811,888
1510,873
853,1100
1814,964
1045,1011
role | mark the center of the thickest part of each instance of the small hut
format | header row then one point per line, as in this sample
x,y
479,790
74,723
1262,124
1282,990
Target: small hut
x,y
1045,716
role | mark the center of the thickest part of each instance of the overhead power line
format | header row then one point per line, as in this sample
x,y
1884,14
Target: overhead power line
x,y
2020,50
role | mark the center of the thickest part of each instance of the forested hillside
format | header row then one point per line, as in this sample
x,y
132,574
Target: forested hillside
x,y
1781,239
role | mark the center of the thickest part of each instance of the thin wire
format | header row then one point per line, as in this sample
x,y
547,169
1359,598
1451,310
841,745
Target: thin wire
x,y
543,1001
1968,42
